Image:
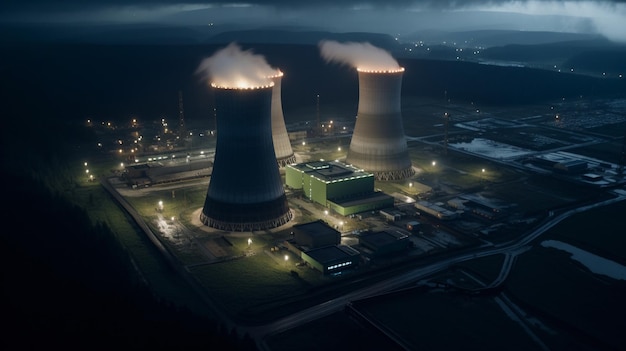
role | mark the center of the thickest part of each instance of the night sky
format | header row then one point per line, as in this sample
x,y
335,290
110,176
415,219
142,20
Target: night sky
x,y
393,17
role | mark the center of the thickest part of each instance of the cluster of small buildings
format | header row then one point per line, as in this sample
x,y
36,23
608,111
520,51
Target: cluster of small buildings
x,y
319,245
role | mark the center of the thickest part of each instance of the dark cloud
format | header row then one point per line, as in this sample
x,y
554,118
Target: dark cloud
x,y
78,5
385,16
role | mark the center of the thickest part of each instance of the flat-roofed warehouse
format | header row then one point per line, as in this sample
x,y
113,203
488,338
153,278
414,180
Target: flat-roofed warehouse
x,y
315,234
340,187
331,259
385,242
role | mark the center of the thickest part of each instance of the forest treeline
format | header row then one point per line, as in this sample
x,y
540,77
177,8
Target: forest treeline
x,y
67,283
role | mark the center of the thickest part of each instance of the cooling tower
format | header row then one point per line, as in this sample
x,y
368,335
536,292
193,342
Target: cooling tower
x,y
378,144
245,192
282,145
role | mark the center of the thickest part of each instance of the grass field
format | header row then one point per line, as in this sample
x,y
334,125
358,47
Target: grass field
x,y
600,231
444,321
162,279
585,305
335,332
259,286
588,308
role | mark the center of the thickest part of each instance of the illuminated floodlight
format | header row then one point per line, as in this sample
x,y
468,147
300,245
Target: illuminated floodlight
x,y
286,258
249,241
434,163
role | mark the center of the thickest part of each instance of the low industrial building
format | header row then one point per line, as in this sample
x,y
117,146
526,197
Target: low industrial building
x,y
151,173
342,188
385,242
332,259
315,234
435,210
413,226
571,167
592,177
490,209
391,214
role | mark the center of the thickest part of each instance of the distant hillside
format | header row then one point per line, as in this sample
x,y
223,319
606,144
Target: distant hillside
x,y
491,38
75,82
492,84
545,52
612,62
302,37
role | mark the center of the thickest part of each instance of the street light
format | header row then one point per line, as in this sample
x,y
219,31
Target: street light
x,y
249,241
434,163
286,258
160,206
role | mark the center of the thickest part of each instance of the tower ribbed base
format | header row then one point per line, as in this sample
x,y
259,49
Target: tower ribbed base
x,y
282,162
394,175
246,217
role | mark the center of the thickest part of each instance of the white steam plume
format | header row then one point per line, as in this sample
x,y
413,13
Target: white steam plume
x,y
363,56
232,67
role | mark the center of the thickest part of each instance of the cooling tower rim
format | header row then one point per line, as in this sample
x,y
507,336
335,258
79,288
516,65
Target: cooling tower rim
x,y
256,87
278,74
381,71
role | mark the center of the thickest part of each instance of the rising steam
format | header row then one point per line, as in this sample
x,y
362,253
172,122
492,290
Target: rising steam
x,y
232,67
363,56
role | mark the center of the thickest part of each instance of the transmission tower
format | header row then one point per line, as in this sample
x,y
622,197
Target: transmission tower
x,y
317,112
446,117
181,115
622,159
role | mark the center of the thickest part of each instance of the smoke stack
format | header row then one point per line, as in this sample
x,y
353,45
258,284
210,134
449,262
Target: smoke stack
x,y
245,192
282,145
378,143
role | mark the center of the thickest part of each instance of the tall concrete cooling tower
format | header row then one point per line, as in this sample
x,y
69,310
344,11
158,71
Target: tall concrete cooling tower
x,y
245,192
282,145
378,143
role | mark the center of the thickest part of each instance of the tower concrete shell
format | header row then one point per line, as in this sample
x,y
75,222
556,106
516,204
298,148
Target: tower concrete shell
x,y
282,145
245,192
378,144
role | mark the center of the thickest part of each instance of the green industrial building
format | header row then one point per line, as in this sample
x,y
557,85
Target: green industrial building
x,y
340,187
